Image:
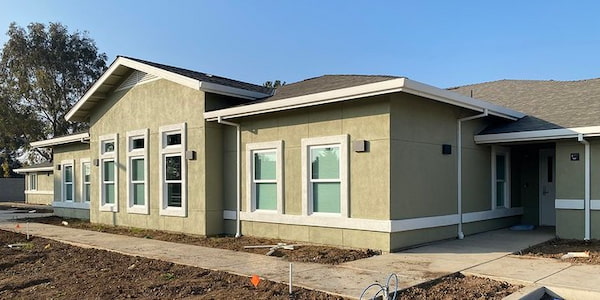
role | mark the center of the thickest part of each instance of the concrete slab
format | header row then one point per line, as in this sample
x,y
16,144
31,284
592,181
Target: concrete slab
x,y
583,277
526,269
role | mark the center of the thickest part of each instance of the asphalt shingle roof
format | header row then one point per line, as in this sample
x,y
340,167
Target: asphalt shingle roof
x,y
207,77
549,104
323,84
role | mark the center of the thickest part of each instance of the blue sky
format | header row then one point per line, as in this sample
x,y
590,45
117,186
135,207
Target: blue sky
x,y
442,43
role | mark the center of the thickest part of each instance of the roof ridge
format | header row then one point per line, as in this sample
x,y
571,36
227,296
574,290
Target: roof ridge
x,y
522,80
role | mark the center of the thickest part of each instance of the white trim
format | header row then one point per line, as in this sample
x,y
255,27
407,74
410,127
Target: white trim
x,y
38,192
61,140
63,164
362,91
79,205
172,150
503,151
108,156
137,154
32,170
388,226
171,76
569,204
538,135
82,162
277,147
342,141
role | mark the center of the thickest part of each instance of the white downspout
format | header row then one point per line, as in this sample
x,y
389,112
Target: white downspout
x,y
587,200
238,224
461,235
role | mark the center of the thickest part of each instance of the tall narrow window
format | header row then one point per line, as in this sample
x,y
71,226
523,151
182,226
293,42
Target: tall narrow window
x,y
86,182
264,176
500,177
325,175
109,172
32,181
67,182
173,170
137,170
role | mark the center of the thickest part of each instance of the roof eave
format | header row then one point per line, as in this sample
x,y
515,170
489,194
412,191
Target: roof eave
x,y
372,89
80,137
31,170
537,135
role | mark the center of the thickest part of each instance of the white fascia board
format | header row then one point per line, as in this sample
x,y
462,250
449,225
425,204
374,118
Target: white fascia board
x,y
32,170
366,90
361,91
61,140
537,135
431,92
230,91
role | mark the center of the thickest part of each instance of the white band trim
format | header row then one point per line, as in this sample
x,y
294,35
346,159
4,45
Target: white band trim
x,y
575,204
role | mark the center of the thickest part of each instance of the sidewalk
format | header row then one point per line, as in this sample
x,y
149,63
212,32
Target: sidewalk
x,y
484,254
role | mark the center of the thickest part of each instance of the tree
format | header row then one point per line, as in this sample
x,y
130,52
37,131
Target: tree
x,y
275,84
44,70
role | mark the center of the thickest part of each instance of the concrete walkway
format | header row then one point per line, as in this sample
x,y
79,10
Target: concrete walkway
x,y
486,254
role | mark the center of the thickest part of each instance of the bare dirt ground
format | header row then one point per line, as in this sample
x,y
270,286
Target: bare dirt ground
x,y
558,247
458,286
45,269
302,253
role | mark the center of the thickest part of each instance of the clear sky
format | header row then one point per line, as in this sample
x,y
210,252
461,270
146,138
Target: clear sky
x,y
442,43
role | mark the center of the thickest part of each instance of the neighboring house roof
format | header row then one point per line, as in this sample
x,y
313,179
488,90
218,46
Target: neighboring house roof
x,y
66,139
41,167
335,88
549,104
123,66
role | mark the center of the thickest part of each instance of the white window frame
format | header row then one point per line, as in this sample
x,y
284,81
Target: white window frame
x,y
63,165
137,154
503,151
105,157
33,182
307,201
168,151
83,162
251,149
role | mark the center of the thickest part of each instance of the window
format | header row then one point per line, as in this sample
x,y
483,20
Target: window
x,y
33,182
325,175
109,172
86,171
500,177
137,172
173,170
67,181
265,192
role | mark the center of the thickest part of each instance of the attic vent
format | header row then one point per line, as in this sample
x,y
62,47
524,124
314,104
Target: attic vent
x,y
137,77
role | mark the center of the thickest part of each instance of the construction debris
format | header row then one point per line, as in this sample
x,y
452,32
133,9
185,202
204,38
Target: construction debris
x,y
273,248
576,254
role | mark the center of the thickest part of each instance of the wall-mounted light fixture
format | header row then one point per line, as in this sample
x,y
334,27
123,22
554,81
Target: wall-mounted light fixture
x,y
446,149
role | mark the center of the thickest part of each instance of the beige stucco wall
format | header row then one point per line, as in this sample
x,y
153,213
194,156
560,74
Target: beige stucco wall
x,y
75,152
44,194
150,106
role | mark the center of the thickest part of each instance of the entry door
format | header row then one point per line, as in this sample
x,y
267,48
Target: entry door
x,y
547,187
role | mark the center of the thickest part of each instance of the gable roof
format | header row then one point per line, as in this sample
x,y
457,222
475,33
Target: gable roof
x,y
335,88
122,67
549,104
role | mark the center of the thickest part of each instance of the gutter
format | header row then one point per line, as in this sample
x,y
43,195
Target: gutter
x,y
587,200
238,224
460,233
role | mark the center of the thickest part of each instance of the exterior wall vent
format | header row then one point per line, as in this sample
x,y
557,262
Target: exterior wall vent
x,y
136,78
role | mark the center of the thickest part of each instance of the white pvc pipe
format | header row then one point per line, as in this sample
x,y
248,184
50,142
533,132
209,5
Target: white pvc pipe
x,y
587,199
238,224
461,235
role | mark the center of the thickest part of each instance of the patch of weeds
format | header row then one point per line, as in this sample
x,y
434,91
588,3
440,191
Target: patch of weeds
x,y
168,276
135,230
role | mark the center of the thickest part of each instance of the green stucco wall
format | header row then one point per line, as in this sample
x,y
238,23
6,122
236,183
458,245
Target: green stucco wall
x,y
75,152
45,189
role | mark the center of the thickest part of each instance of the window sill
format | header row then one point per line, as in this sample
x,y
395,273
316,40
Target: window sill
x,y
109,207
173,212
78,205
138,209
